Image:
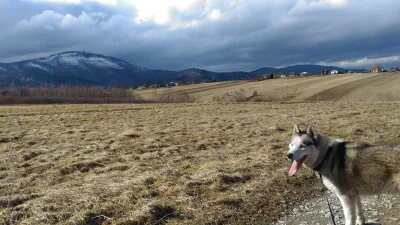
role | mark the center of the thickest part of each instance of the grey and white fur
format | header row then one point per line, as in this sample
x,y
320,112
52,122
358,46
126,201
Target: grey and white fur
x,y
348,169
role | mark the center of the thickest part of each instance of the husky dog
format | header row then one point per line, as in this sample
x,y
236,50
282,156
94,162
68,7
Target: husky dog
x,y
347,169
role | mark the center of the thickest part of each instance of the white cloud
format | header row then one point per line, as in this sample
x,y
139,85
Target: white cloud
x,y
52,21
84,21
161,12
365,62
98,14
337,2
59,1
157,11
46,19
104,2
215,14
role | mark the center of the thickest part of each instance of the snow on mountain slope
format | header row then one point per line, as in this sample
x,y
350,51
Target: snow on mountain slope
x,y
17,68
81,59
31,64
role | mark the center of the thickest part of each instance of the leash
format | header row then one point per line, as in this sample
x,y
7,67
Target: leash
x,y
327,200
317,170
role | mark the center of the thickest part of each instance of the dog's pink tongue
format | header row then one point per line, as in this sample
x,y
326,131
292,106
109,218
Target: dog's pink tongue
x,y
295,167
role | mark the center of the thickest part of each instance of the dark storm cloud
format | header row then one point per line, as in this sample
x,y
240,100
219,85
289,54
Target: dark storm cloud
x,y
215,35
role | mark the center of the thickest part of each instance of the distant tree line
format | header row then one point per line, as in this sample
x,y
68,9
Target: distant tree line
x,y
50,94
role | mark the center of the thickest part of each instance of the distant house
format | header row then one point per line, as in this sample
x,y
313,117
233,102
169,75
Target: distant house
x,y
378,69
154,86
259,78
394,69
179,83
324,72
303,73
267,76
141,87
283,76
350,71
334,72
291,74
176,83
279,75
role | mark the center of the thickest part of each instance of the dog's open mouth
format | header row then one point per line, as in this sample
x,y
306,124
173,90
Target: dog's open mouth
x,y
296,165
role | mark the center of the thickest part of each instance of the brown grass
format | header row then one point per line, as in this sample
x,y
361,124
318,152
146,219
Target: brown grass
x,y
166,163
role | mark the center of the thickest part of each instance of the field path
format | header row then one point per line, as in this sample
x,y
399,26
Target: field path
x,y
378,210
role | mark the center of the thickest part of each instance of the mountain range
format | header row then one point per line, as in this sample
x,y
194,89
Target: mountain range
x,y
84,68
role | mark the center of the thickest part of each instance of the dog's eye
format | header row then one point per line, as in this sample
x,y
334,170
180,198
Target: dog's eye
x,y
303,146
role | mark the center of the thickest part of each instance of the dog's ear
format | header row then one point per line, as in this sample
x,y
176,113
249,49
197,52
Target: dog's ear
x,y
296,129
311,131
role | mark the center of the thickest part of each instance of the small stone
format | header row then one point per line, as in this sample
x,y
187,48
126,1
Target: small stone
x,y
374,213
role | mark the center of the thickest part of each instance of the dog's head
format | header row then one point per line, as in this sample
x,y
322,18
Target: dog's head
x,y
302,148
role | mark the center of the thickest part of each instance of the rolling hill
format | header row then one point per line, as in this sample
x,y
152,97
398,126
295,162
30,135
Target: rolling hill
x,y
348,87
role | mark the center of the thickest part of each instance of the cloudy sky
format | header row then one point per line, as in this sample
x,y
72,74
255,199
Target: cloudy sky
x,y
218,35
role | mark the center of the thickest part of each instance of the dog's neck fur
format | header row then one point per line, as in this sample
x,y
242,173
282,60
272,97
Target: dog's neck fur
x,y
322,148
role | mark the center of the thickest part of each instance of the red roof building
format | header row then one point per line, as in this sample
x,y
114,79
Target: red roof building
x,y
378,69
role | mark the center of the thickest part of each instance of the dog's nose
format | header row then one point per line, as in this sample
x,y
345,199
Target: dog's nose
x,y
290,156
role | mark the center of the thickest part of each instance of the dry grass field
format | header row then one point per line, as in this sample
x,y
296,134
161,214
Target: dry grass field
x,y
214,163
341,87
